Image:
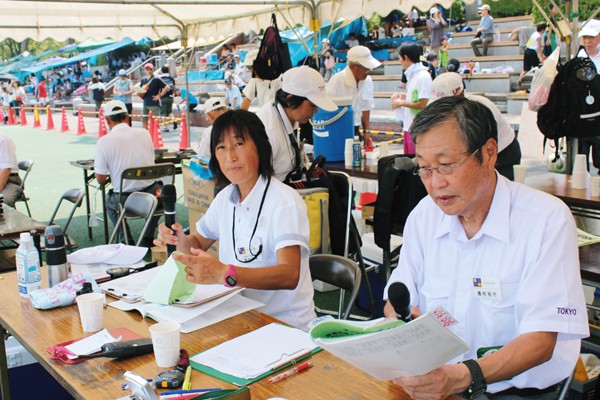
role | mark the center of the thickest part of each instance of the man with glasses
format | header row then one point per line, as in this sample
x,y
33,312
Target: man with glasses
x,y
354,81
500,257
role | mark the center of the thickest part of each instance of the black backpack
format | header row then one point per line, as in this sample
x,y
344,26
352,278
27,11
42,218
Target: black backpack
x,y
573,107
273,56
98,94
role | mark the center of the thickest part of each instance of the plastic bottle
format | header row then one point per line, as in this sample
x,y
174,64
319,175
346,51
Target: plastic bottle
x,y
28,266
477,67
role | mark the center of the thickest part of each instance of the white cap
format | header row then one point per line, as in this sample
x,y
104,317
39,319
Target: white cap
x,y
306,82
325,40
114,107
250,57
122,72
115,254
592,28
485,7
433,10
362,55
445,85
214,103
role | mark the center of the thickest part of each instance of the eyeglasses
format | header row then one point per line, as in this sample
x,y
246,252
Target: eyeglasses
x,y
444,169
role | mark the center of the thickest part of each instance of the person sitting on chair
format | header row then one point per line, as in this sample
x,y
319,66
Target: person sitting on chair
x,y
260,223
499,256
10,181
122,148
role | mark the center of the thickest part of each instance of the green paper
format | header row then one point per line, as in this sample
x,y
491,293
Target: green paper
x,y
336,328
170,284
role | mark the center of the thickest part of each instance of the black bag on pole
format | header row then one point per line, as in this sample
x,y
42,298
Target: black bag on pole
x,y
273,56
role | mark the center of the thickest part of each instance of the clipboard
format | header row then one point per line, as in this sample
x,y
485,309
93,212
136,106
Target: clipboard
x,y
263,346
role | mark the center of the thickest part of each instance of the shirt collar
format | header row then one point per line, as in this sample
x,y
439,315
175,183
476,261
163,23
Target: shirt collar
x,y
349,78
496,223
288,125
119,127
253,197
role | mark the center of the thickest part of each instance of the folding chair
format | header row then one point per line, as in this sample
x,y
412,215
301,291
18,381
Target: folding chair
x,y
340,272
24,165
74,196
138,205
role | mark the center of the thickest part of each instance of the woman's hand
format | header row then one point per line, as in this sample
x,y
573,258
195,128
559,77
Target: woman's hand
x,y
168,235
202,267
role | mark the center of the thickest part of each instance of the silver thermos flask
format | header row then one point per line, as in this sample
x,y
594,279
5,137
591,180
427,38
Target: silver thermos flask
x,y
56,255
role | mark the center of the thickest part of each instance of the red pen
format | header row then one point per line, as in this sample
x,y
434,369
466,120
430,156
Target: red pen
x,y
290,372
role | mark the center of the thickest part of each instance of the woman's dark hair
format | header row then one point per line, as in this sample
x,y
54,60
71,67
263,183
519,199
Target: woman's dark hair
x,y
292,101
453,65
412,51
248,126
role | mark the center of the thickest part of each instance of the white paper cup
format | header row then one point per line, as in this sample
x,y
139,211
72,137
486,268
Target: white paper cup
x,y
384,149
165,341
595,186
91,311
580,163
520,171
348,152
579,179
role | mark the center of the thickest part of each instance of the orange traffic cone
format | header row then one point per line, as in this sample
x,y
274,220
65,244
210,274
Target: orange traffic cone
x,y
23,116
36,118
154,134
64,124
101,124
1,115
159,140
183,133
11,116
50,125
80,123
150,124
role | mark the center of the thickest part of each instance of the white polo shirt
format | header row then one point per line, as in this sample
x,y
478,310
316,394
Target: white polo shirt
x,y
418,86
124,147
343,84
262,90
203,149
8,154
283,222
278,128
528,247
506,134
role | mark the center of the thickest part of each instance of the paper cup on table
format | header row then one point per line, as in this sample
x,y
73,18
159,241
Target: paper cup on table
x,y
579,179
384,149
520,171
165,341
580,164
91,311
348,152
595,186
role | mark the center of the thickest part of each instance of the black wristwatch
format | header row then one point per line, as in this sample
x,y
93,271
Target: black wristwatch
x,y
478,386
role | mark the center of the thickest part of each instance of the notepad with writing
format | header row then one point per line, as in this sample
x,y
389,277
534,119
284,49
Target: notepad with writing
x,y
255,355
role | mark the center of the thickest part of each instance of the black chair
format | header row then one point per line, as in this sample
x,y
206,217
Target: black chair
x,y
75,197
340,272
24,165
138,205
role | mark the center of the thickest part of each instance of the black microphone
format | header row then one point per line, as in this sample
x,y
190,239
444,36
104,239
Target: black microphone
x,y
399,297
169,196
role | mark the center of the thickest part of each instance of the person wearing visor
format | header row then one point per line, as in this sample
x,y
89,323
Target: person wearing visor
x,y
260,223
301,94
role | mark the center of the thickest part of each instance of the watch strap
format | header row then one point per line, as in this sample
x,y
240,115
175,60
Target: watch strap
x,y
231,277
478,385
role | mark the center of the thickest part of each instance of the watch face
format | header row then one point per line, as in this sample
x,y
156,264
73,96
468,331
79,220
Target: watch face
x,y
169,379
230,280
476,390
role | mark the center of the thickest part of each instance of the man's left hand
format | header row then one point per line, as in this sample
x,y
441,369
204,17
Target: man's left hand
x,y
438,384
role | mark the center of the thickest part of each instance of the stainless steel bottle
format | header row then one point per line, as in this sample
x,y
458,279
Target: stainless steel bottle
x,y
56,255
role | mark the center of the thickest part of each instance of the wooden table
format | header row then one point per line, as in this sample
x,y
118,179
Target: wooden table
x,y
101,378
366,171
14,222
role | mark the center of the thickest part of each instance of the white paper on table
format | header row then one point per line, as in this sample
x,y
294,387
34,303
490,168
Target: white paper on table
x,y
255,353
415,348
91,344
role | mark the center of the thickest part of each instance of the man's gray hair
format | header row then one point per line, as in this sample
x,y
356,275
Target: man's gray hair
x,y
476,123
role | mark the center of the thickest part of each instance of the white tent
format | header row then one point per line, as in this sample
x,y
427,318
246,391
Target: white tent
x,y
81,19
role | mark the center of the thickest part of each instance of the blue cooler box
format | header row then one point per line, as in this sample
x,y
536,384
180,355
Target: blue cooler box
x,y
331,129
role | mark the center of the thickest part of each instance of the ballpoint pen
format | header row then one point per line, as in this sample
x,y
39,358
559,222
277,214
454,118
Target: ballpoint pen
x,y
290,372
187,381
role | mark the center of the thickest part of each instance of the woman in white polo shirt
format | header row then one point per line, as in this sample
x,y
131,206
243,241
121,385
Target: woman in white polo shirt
x,y
260,223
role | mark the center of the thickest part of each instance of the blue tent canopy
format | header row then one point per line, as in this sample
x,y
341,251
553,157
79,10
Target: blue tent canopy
x,y
80,57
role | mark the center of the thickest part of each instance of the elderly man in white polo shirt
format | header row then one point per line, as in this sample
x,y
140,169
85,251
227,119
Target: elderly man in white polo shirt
x,y
590,38
354,81
499,256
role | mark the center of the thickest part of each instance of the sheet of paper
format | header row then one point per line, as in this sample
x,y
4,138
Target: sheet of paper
x,y
170,284
411,349
91,344
130,287
255,353
585,238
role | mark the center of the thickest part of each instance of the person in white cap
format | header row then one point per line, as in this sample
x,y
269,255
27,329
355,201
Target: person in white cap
x,y
436,24
485,31
509,150
123,91
302,92
258,88
354,81
124,147
418,87
590,38
213,108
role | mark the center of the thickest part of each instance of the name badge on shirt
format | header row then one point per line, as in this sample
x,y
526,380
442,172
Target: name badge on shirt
x,y
487,289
